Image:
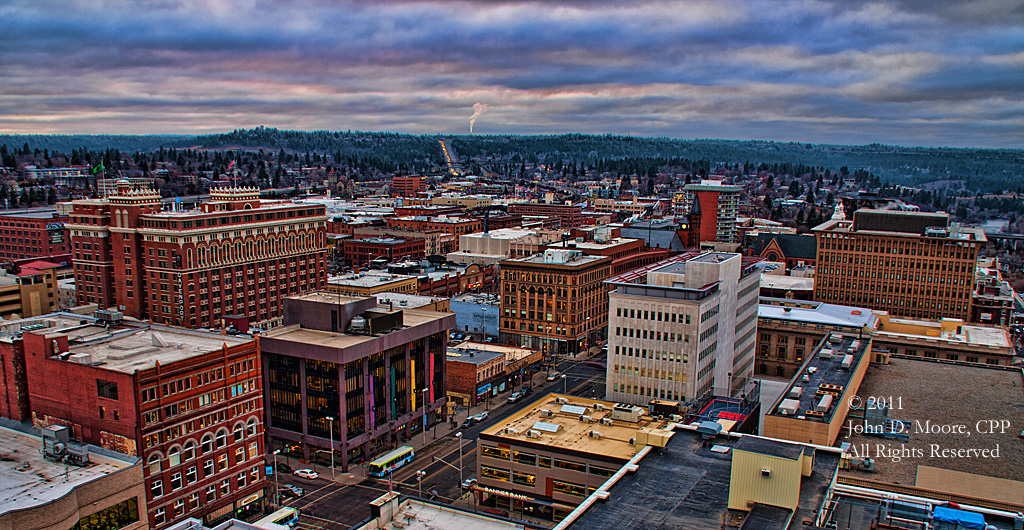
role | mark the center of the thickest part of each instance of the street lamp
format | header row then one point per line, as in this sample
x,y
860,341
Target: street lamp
x,y
459,436
565,384
419,480
331,419
277,490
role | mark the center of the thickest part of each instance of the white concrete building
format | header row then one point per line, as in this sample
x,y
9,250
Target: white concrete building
x,y
682,329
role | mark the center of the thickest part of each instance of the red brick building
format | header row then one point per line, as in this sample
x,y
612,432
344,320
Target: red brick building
x,y
32,234
189,404
427,210
570,214
407,186
360,252
235,255
474,277
448,225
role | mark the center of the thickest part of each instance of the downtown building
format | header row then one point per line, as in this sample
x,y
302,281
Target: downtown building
x,y
32,234
345,374
682,329
236,255
910,264
556,301
187,404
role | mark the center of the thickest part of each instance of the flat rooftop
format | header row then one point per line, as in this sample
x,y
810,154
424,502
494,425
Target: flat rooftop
x,y
778,281
367,279
337,340
43,481
512,352
574,434
595,245
412,301
944,394
469,355
538,259
37,214
824,367
815,312
131,349
988,336
686,487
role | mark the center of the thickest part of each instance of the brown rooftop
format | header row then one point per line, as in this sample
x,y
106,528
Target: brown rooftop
x,y
943,394
573,433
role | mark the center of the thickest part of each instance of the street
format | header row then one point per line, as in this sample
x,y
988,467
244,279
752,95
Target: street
x,y
339,506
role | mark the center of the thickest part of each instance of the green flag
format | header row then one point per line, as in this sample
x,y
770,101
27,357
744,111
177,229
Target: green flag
x,y
98,168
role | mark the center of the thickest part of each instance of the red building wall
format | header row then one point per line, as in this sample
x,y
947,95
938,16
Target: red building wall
x,y
709,215
14,402
359,252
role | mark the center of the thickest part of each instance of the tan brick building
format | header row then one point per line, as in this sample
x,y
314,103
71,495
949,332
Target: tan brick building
x,y
910,264
555,301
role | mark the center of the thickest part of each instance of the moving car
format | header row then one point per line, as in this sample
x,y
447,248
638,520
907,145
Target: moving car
x,y
283,468
468,483
516,396
480,417
552,376
307,474
291,490
468,423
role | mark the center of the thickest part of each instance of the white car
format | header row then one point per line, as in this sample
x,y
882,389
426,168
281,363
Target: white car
x,y
480,417
306,473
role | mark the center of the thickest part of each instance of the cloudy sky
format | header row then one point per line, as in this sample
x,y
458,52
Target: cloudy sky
x,y
909,72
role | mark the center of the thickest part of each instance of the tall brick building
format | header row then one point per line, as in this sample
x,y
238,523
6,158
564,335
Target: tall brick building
x,y
234,255
910,264
189,404
32,235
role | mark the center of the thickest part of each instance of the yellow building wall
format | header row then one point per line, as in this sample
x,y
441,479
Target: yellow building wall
x,y
747,485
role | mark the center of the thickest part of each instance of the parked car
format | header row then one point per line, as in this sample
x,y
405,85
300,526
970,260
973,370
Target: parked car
x,y
527,391
480,417
468,483
553,375
283,468
307,474
516,396
468,423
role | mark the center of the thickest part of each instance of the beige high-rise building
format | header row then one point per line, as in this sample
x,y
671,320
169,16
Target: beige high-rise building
x,y
682,328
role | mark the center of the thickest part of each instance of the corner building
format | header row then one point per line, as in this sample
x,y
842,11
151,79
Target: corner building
x,y
234,255
910,264
683,328
188,404
555,301
346,374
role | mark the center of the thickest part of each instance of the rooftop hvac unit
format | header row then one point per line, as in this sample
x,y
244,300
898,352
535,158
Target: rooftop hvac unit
x,y
595,434
600,406
561,400
825,403
765,472
532,434
676,418
107,316
81,358
806,378
546,413
606,421
826,353
789,407
586,419
812,369
632,441
795,392
511,430
847,361
854,345
57,446
357,323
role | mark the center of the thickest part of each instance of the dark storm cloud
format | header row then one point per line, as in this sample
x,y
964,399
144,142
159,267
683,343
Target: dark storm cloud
x,y
812,70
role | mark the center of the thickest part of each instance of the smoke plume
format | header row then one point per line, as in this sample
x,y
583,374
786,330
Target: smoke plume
x,y
478,110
